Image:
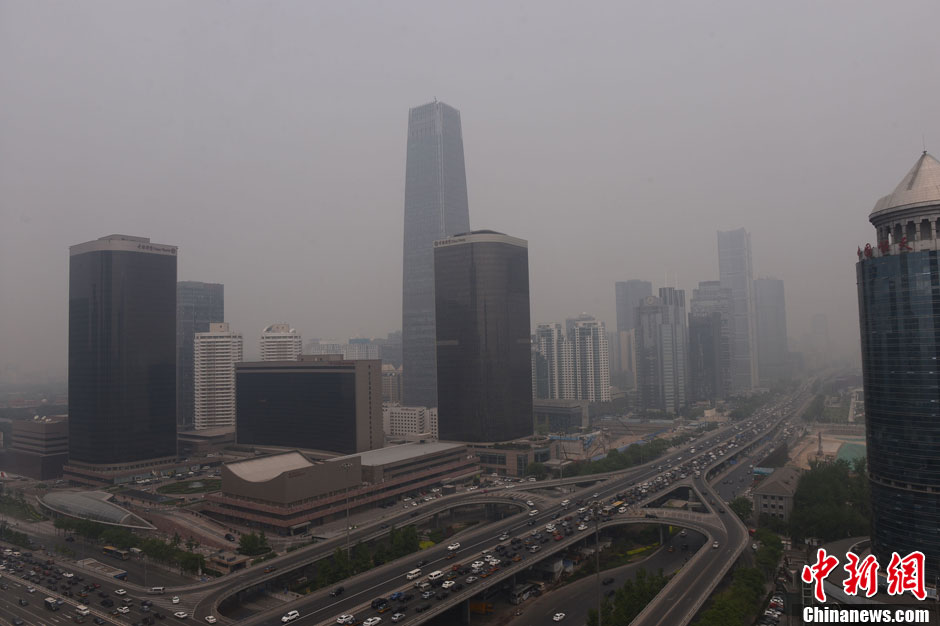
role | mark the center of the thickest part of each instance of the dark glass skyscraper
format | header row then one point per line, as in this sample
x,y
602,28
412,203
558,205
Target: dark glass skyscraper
x,y
736,273
484,367
435,206
899,317
122,358
197,305
772,352
710,330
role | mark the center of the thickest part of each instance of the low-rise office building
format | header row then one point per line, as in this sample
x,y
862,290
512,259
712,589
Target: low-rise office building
x,y
40,446
510,458
774,496
288,493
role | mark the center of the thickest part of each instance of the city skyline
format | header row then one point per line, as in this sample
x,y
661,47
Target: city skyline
x,y
259,195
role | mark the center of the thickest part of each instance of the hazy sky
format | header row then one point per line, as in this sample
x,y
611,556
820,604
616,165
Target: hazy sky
x,y
267,140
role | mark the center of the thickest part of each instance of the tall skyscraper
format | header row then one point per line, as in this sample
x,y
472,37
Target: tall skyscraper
x,y
899,317
122,358
711,318
435,207
772,351
588,337
280,342
484,373
552,344
216,353
736,273
197,306
629,294
662,351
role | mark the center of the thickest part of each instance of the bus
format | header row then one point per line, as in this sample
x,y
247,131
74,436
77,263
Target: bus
x,y
115,552
51,604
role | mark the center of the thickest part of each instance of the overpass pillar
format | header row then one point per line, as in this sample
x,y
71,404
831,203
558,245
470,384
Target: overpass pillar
x,y
465,613
662,536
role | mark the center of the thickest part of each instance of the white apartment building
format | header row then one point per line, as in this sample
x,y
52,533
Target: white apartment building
x,y
409,422
215,355
280,342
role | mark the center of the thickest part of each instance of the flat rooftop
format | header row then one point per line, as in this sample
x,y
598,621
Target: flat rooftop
x,y
402,452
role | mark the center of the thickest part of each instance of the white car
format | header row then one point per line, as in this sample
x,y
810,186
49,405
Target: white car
x,y
345,619
529,503
123,610
448,584
397,617
210,619
30,590
503,537
558,617
290,616
582,526
533,512
454,546
471,579
175,600
119,592
477,565
181,615
372,621
714,545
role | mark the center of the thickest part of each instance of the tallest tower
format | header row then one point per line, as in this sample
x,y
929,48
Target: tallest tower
x,y
435,207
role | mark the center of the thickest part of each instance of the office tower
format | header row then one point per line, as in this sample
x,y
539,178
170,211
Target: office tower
x,y
736,273
484,372
711,319
626,356
280,342
314,402
539,372
197,306
435,207
391,383
122,357
216,353
899,314
661,351
772,351
588,338
629,294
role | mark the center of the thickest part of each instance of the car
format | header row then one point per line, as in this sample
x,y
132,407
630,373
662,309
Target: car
x,y
175,600
422,607
471,579
398,595
338,591
714,545
123,610
18,622
557,617
397,617
229,537
23,602
210,619
582,526
119,592
269,569
448,584
98,620
181,615
503,537
345,619
372,621
426,595
30,590
107,602
529,503
607,581
454,546
533,512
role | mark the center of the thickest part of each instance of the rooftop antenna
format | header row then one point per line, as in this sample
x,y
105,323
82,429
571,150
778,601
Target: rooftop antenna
x,y
923,138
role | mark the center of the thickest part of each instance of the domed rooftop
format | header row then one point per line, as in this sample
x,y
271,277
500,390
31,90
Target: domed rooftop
x,y
94,506
920,187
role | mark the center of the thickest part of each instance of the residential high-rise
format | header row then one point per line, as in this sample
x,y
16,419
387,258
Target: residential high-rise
x,y
122,356
736,273
899,317
197,306
553,346
484,373
215,354
314,402
588,338
662,351
772,351
629,294
711,319
435,207
391,383
280,342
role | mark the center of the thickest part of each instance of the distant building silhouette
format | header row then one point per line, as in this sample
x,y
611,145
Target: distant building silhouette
x,y
711,321
435,206
736,273
662,352
772,351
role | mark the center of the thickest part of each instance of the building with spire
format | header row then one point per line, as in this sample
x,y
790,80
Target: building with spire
x,y
435,207
898,281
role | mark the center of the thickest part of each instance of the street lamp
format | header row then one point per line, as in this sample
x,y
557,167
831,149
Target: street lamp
x,y
346,467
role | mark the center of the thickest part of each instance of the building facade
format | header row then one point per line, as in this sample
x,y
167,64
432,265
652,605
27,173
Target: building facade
x,y
662,352
588,337
410,422
435,207
711,319
773,353
629,294
553,347
40,446
122,352
391,383
484,372
736,273
280,342
899,316
774,495
197,305
313,403
215,354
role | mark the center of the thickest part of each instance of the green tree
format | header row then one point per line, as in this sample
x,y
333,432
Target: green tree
x,y
251,544
742,507
177,540
536,469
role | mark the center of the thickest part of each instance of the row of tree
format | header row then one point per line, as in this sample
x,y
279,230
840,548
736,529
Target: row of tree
x,y
364,556
737,603
831,502
630,599
161,551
